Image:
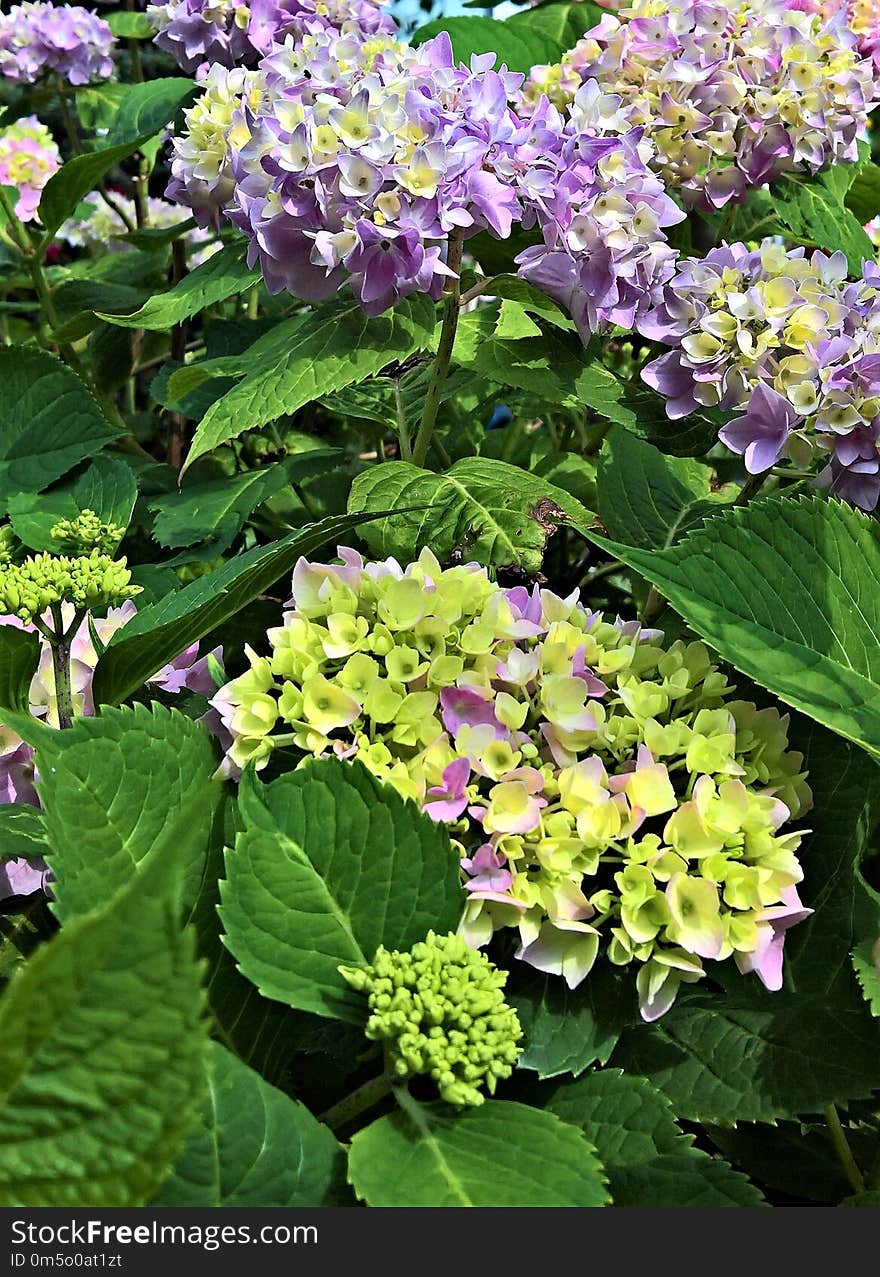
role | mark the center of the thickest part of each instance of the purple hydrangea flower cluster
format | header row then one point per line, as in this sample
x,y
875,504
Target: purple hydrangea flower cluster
x,y
344,158
200,32
788,339
65,40
730,95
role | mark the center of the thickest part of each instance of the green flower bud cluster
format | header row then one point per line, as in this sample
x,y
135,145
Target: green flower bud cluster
x,y
7,543
440,1011
93,581
87,532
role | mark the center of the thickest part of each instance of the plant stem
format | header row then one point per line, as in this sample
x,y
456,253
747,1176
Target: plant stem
x,y
176,422
357,1102
477,290
840,1144
753,484
607,569
70,128
451,299
402,425
63,692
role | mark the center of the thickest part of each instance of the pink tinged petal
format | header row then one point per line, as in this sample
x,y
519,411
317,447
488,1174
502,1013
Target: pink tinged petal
x,y
20,877
568,949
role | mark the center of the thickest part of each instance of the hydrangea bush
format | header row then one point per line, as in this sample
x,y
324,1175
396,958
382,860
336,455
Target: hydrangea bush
x,y
438,605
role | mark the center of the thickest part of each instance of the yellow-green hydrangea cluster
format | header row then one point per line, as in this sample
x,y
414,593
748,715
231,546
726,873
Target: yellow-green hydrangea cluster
x,y
88,532
89,581
7,543
605,792
440,1011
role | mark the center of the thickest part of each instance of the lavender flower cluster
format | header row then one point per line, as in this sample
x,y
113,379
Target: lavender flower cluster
x,y
205,32
730,96
345,158
787,338
48,39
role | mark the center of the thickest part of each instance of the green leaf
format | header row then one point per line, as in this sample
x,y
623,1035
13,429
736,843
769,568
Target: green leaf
x,y
93,779
260,1032
755,1056
98,104
845,783
254,1147
108,487
50,421
226,274
500,1154
788,1156
866,955
648,499
779,589
22,832
813,211
490,511
19,657
863,196
102,1049
218,509
520,42
330,865
147,108
131,26
159,632
309,356
648,1159
567,1031
555,367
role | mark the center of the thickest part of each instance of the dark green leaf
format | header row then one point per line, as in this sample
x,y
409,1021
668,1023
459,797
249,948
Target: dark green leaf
x,y
223,275
50,421
102,1047
254,1147
330,865
93,778
19,656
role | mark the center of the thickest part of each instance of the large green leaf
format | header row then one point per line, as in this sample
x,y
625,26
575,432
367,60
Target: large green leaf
x,y
309,356
500,1154
223,275
262,1033
846,802
330,865
142,112
754,1056
147,108
102,1050
217,510
254,1147
555,368
648,1159
813,210
158,633
488,510
50,421
648,499
565,1031
131,781
783,590
108,487
521,41
19,656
